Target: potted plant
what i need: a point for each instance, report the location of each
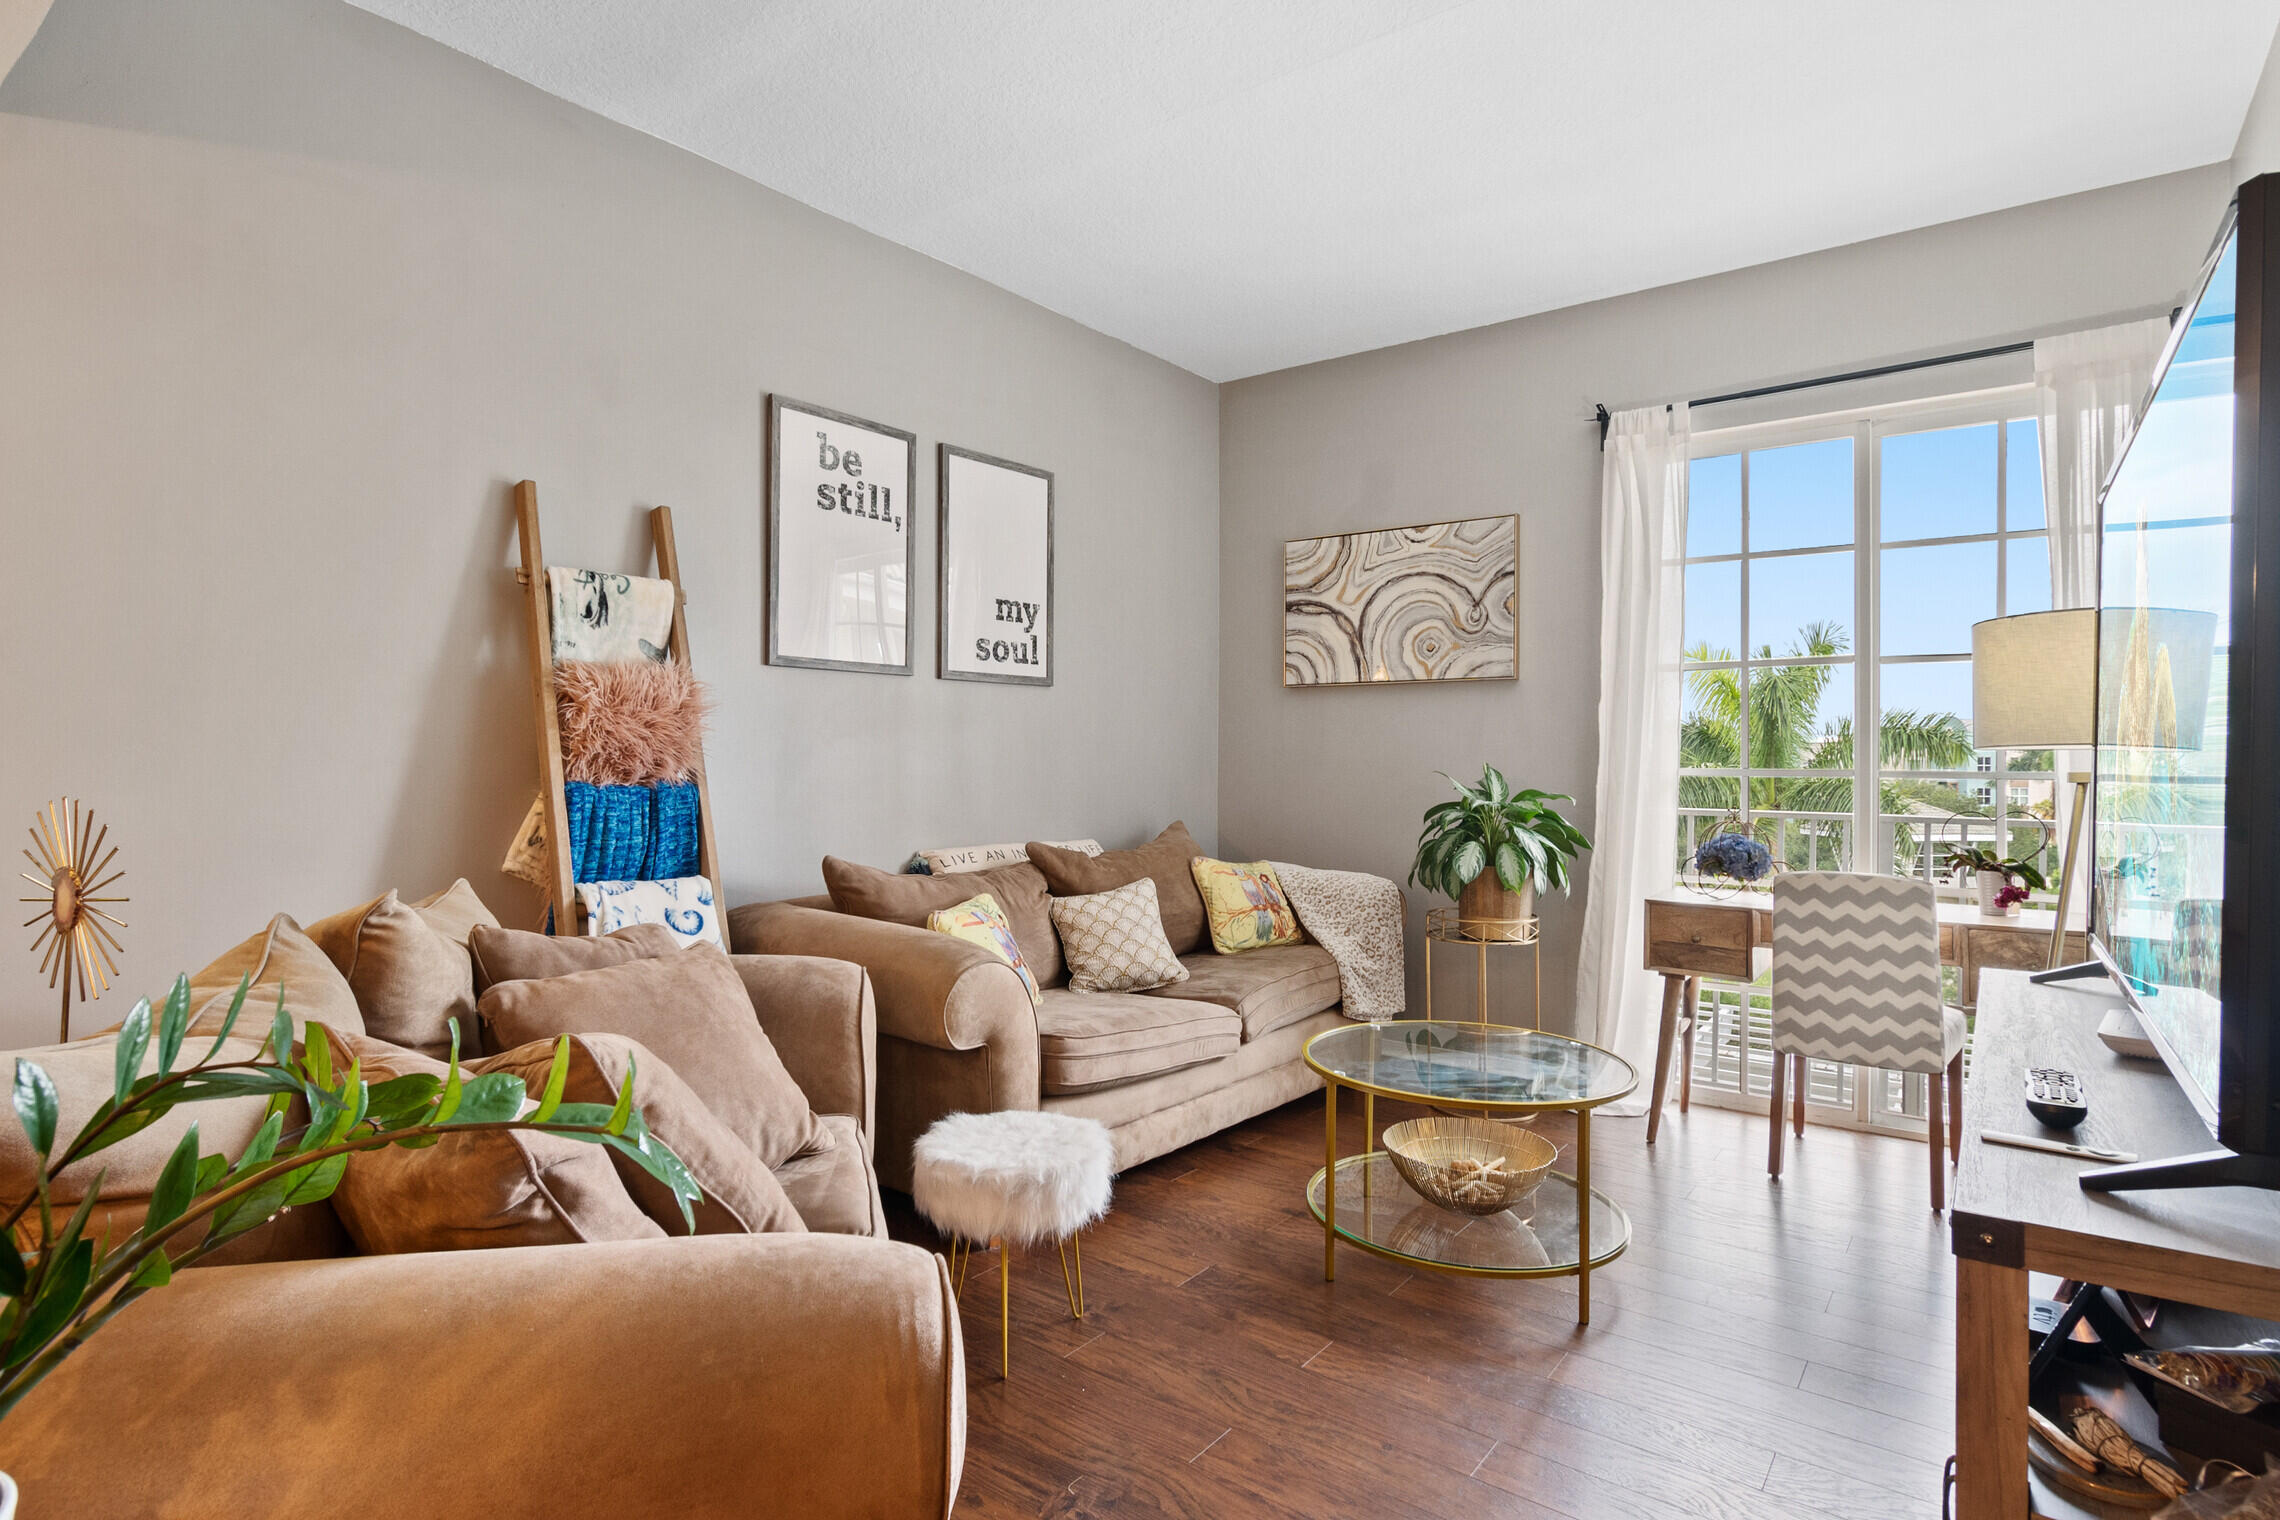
(1494, 849)
(1994, 874)
(69, 1283)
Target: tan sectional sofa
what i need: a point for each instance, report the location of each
(1161, 1069)
(815, 1375)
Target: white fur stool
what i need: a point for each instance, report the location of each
(1013, 1178)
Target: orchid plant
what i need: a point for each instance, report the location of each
(63, 1285)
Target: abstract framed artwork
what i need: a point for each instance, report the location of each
(1430, 602)
(996, 601)
(841, 552)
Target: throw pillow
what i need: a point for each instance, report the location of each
(683, 905)
(280, 957)
(468, 1192)
(953, 860)
(980, 921)
(1163, 860)
(742, 1197)
(629, 722)
(513, 955)
(409, 981)
(868, 892)
(1245, 904)
(692, 1010)
(1115, 940)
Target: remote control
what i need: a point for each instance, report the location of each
(2056, 1097)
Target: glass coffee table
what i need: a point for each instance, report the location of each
(1488, 1069)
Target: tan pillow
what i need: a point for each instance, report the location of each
(409, 980)
(279, 955)
(1163, 860)
(692, 1010)
(513, 955)
(1115, 940)
(475, 1191)
(742, 1197)
(82, 1073)
(868, 892)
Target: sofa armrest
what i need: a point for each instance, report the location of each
(820, 1016)
(932, 989)
(720, 1375)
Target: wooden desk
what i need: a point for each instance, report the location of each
(2021, 1211)
(1691, 936)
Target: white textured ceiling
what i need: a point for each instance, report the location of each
(1241, 185)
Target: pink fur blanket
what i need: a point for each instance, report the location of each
(629, 722)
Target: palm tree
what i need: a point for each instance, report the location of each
(1784, 713)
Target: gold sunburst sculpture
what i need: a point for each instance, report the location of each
(70, 864)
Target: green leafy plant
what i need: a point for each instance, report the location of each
(1965, 857)
(69, 1284)
(1518, 835)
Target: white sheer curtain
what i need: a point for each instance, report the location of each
(2088, 388)
(1642, 613)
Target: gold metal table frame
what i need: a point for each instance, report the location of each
(1450, 927)
(1580, 1180)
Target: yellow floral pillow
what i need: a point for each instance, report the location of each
(980, 921)
(1244, 905)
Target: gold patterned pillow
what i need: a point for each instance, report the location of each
(1244, 905)
(1114, 941)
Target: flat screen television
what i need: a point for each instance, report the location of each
(2185, 866)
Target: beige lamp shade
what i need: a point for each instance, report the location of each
(2034, 680)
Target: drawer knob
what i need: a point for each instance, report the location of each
(1697, 936)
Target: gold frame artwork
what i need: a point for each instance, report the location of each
(1346, 596)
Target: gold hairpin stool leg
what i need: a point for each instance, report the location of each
(1075, 1286)
(1005, 1308)
(961, 1252)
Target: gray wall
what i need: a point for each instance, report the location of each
(2258, 149)
(289, 297)
(1495, 420)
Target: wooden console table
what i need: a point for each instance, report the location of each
(2022, 1211)
(1691, 936)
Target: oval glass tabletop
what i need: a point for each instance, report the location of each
(1379, 1212)
(1483, 1064)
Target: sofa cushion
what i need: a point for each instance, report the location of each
(1267, 988)
(742, 1197)
(280, 956)
(410, 981)
(515, 955)
(475, 1191)
(836, 1191)
(1099, 1039)
(980, 921)
(1244, 906)
(868, 892)
(691, 1008)
(1163, 860)
(1114, 940)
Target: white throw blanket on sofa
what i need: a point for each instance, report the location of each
(1357, 918)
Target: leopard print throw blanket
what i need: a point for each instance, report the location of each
(1357, 918)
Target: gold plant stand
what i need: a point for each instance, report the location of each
(1483, 934)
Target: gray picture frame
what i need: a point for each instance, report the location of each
(944, 540)
(771, 634)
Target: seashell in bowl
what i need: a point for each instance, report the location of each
(1474, 1166)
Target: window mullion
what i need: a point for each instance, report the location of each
(1871, 850)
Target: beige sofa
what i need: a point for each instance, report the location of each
(724, 1375)
(1161, 1069)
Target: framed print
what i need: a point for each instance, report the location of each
(1434, 602)
(996, 604)
(840, 546)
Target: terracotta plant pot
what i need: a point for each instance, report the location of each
(1488, 911)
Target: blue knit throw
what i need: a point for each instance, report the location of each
(632, 833)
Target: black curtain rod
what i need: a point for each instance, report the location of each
(1603, 417)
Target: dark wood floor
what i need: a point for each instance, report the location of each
(1771, 1352)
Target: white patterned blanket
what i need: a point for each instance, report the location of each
(1357, 918)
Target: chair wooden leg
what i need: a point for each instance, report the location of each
(1935, 1112)
(1774, 1116)
(1955, 1108)
(1797, 1099)
(1691, 1013)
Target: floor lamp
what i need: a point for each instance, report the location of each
(2034, 685)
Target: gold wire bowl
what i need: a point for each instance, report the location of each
(1474, 1166)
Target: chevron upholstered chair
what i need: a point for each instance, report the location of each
(1856, 978)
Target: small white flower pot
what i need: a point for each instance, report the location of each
(1990, 883)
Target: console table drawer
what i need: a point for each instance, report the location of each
(1704, 940)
